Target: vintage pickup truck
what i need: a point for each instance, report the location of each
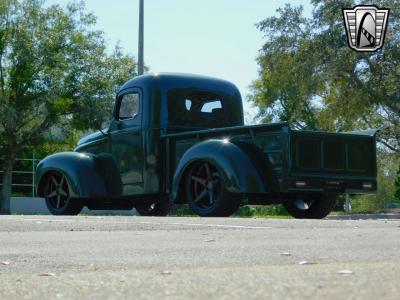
(176, 138)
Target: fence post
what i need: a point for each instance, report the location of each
(347, 205)
(33, 173)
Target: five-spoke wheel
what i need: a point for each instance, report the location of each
(58, 198)
(206, 192)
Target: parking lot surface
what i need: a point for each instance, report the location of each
(47, 257)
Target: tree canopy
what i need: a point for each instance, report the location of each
(310, 77)
(54, 69)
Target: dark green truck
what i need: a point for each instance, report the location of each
(177, 138)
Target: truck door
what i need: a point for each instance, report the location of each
(126, 140)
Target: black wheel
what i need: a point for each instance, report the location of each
(58, 198)
(311, 206)
(157, 209)
(206, 193)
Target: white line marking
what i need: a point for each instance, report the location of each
(152, 223)
(219, 225)
(48, 220)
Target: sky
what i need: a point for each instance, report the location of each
(209, 37)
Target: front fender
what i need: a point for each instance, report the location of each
(89, 175)
(246, 170)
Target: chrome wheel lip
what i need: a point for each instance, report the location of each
(302, 204)
(149, 208)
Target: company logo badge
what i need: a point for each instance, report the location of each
(365, 27)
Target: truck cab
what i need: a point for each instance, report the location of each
(178, 138)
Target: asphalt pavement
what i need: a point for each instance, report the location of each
(47, 257)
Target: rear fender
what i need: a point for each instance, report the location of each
(89, 175)
(246, 170)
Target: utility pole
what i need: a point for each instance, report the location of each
(141, 38)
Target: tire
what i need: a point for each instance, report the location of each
(57, 196)
(206, 192)
(156, 209)
(312, 206)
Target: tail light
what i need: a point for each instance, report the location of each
(367, 185)
(300, 183)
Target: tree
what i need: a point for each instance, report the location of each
(311, 78)
(54, 69)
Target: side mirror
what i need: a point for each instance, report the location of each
(104, 128)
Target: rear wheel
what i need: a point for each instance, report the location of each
(57, 196)
(206, 191)
(311, 206)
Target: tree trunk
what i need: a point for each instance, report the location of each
(5, 196)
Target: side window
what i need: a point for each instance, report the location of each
(129, 107)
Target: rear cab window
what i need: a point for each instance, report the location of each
(202, 109)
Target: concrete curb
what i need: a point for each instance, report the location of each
(374, 216)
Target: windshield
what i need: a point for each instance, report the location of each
(203, 109)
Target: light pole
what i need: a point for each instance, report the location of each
(141, 41)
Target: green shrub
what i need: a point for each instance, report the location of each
(397, 185)
(245, 211)
(261, 211)
(365, 204)
(182, 210)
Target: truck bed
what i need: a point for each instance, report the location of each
(300, 160)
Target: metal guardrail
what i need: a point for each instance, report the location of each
(32, 170)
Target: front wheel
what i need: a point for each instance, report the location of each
(311, 206)
(57, 196)
(206, 191)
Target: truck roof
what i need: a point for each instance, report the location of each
(175, 80)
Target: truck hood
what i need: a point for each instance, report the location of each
(92, 137)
